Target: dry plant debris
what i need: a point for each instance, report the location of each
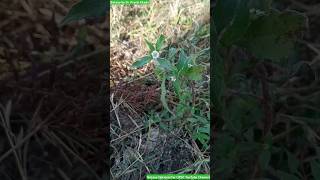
(54, 78)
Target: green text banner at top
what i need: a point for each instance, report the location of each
(129, 2)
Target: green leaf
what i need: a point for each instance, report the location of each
(286, 176)
(194, 72)
(271, 36)
(249, 135)
(150, 45)
(159, 42)
(183, 60)
(203, 138)
(264, 158)
(163, 95)
(260, 4)
(237, 109)
(172, 53)
(293, 21)
(205, 129)
(315, 169)
(293, 162)
(217, 84)
(271, 48)
(164, 64)
(242, 113)
(177, 87)
(238, 26)
(142, 61)
(224, 166)
(214, 35)
(223, 13)
(225, 144)
(86, 9)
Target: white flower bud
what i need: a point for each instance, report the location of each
(155, 55)
(172, 78)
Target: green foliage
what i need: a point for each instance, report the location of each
(264, 122)
(86, 9)
(224, 13)
(178, 73)
(275, 31)
(159, 42)
(150, 45)
(315, 169)
(247, 27)
(238, 26)
(142, 61)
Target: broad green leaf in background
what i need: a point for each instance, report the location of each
(272, 36)
(150, 45)
(260, 4)
(242, 113)
(238, 26)
(264, 158)
(293, 21)
(286, 176)
(214, 35)
(226, 151)
(142, 61)
(315, 169)
(223, 13)
(272, 47)
(217, 84)
(159, 42)
(225, 143)
(194, 72)
(224, 168)
(293, 162)
(86, 9)
(237, 109)
(249, 134)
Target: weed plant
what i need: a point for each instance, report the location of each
(183, 74)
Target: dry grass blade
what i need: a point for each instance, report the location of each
(67, 148)
(12, 139)
(32, 132)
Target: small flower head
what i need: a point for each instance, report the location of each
(190, 65)
(172, 78)
(155, 55)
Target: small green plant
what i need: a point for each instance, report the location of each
(180, 73)
(86, 9)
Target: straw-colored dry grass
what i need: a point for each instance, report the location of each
(130, 25)
(52, 128)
